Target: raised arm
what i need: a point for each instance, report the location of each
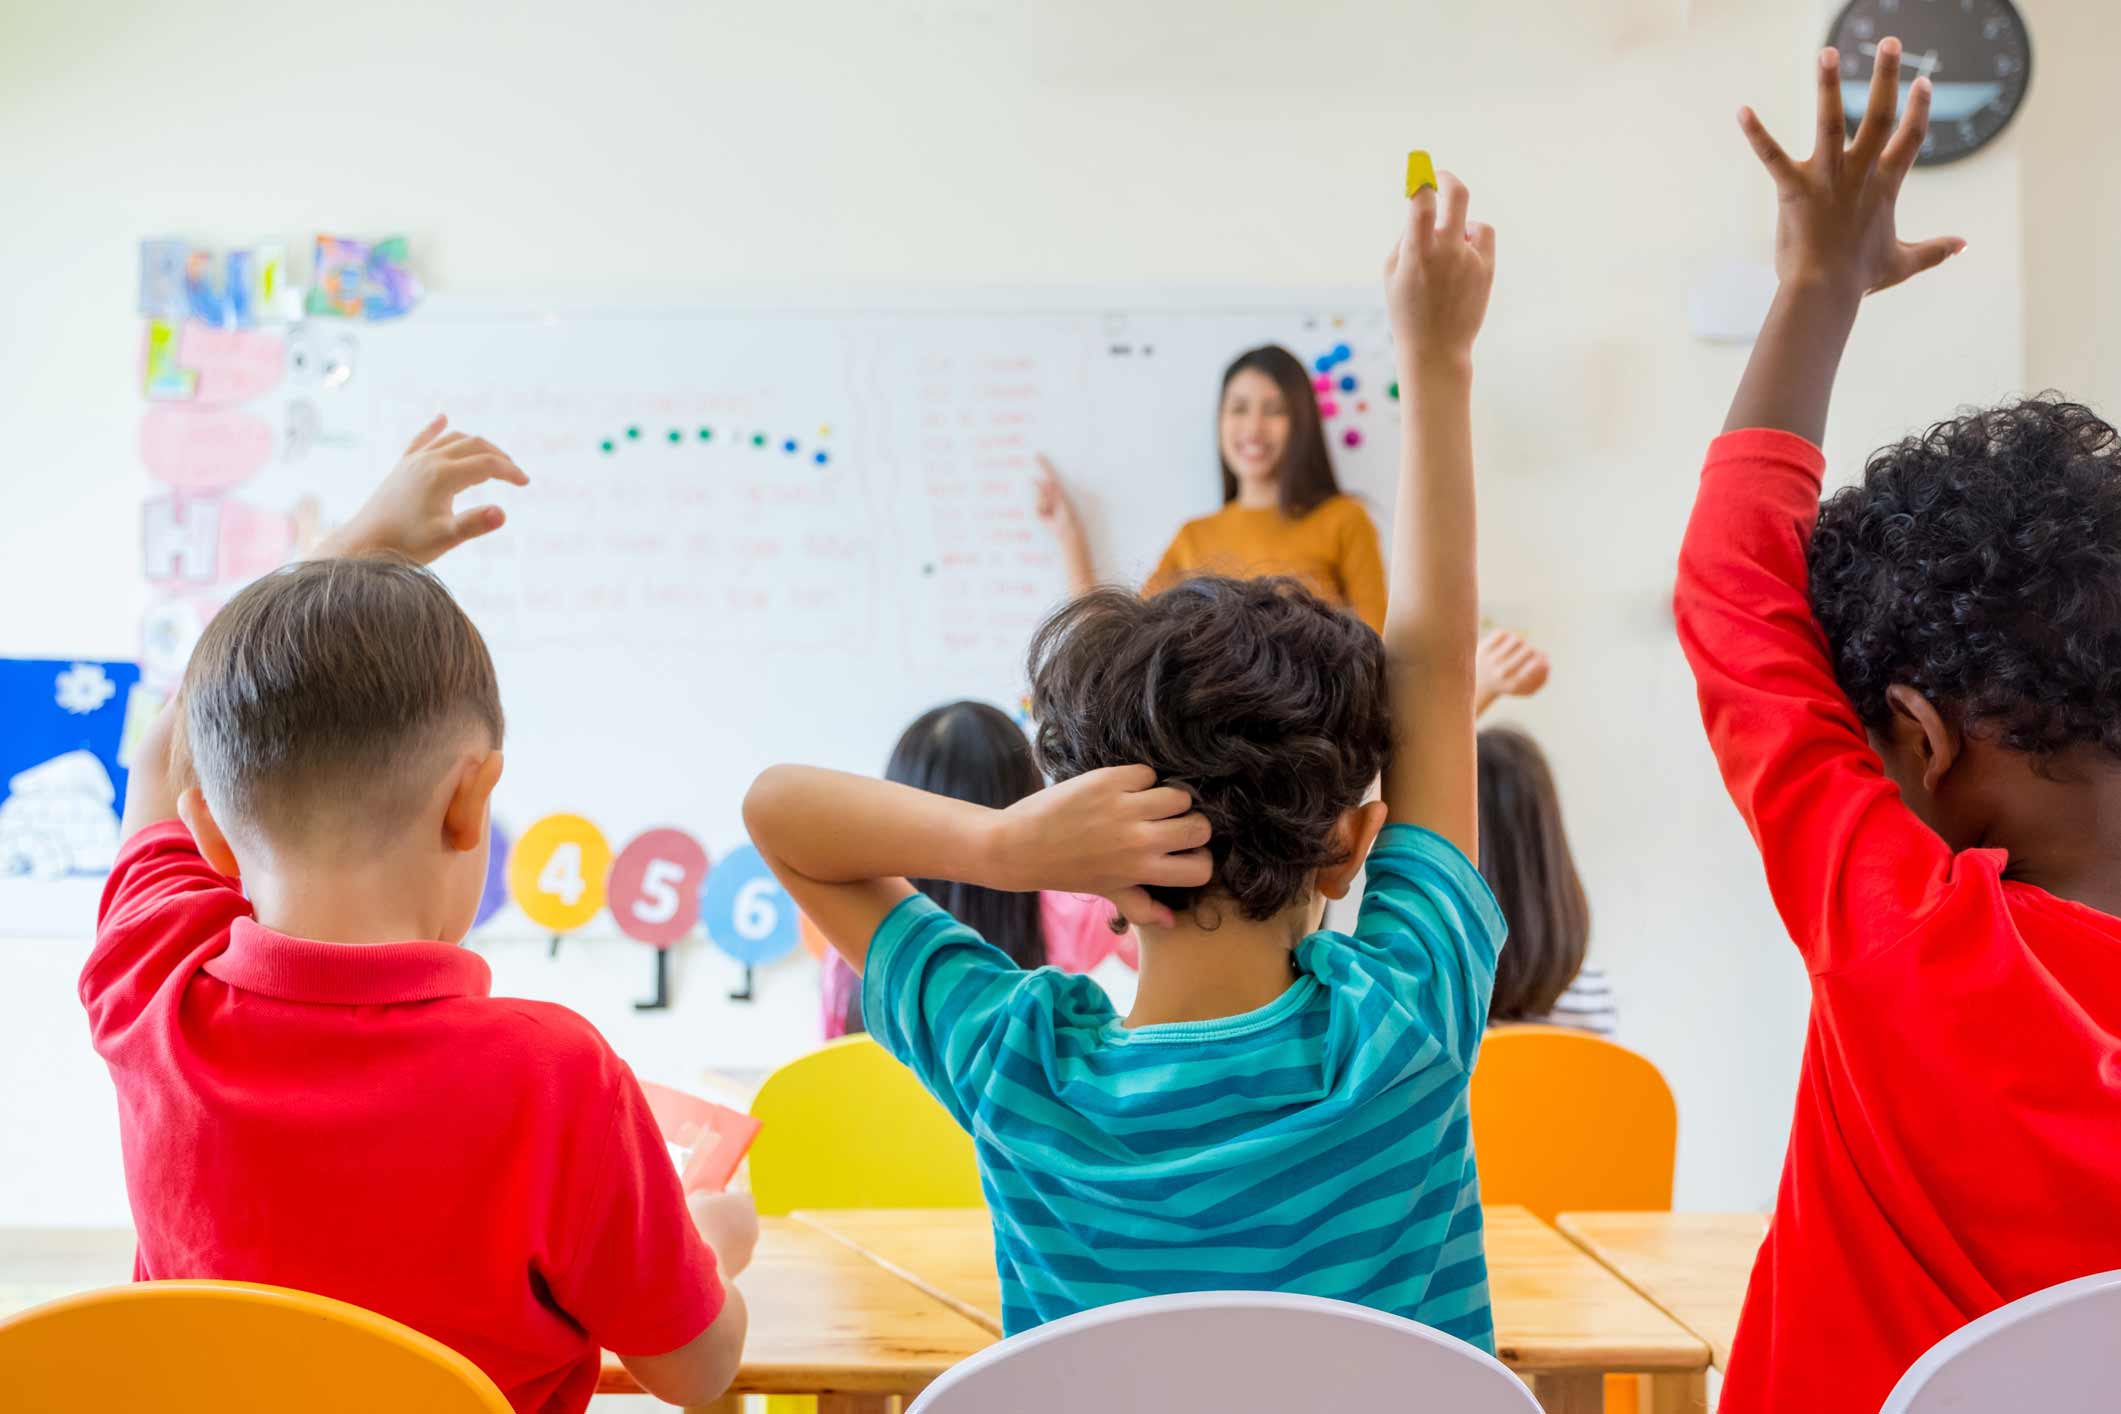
(1057, 509)
(1506, 666)
(1834, 243)
(843, 845)
(1841, 850)
(161, 771)
(1436, 284)
(412, 512)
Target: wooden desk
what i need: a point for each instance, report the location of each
(1561, 1320)
(825, 1321)
(1693, 1266)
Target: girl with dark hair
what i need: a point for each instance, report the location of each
(971, 751)
(1540, 974)
(1283, 511)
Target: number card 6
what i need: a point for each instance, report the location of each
(749, 916)
(556, 872)
(655, 886)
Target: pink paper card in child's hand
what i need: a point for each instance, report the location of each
(715, 1137)
(719, 1149)
(678, 1115)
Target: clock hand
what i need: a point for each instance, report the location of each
(1926, 62)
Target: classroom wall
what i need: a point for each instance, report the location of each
(635, 149)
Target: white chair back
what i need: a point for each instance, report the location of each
(1229, 1352)
(2057, 1351)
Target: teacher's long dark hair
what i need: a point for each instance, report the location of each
(1305, 477)
(971, 751)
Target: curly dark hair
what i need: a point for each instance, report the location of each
(1264, 701)
(1979, 563)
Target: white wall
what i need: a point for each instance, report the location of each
(631, 148)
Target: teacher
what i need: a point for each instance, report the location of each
(1283, 510)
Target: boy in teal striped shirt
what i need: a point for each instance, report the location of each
(1283, 1108)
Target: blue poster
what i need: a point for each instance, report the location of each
(62, 786)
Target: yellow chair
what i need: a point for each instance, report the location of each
(225, 1347)
(849, 1127)
(1569, 1122)
(846, 1126)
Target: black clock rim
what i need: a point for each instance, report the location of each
(2025, 84)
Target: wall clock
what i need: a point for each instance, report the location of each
(1977, 54)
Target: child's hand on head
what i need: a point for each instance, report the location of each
(1507, 666)
(1834, 221)
(1105, 832)
(413, 512)
(729, 1223)
(1438, 276)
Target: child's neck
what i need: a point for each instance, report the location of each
(2064, 836)
(348, 901)
(1191, 973)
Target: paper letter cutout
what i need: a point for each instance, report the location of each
(162, 279)
(160, 376)
(202, 290)
(234, 365)
(180, 539)
(335, 287)
(199, 451)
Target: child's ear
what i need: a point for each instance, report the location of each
(1357, 831)
(464, 821)
(1920, 729)
(206, 832)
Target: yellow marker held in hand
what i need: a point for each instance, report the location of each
(1421, 172)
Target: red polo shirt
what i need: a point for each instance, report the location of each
(365, 1122)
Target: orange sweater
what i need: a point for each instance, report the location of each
(1333, 550)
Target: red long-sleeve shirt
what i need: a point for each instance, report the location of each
(1957, 1138)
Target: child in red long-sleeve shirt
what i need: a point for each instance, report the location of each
(1914, 693)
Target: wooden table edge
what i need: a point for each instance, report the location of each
(1588, 1245)
(817, 1220)
(615, 1378)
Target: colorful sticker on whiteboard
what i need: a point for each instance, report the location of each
(655, 886)
(748, 914)
(557, 871)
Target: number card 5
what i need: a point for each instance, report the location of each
(655, 886)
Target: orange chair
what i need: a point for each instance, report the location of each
(226, 1347)
(1563, 1122)
(1568, 1122)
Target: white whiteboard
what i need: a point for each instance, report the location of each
(774, 530)
(672, 614)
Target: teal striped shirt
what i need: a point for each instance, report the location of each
(1317, 1145)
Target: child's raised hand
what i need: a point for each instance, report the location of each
(1834, 222)
(1105, 832)
(413, 512)
(1438, 276)
(1506, 666)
